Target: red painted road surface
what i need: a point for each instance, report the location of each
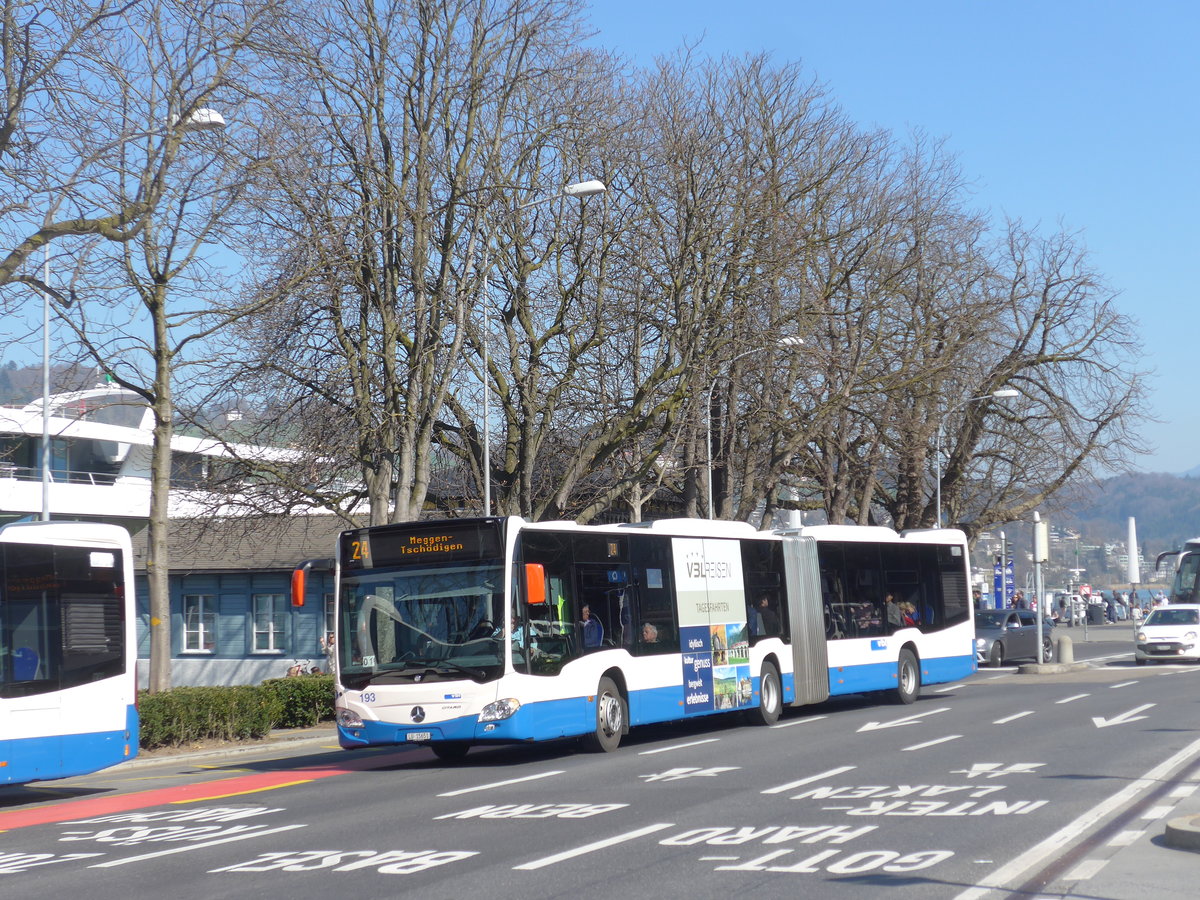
(189, 793)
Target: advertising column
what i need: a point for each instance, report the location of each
(713, 637)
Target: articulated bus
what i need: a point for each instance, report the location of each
(460, 632)
(68, 650)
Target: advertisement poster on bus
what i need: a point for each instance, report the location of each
(713, 637)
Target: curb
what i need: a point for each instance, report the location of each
(1183, 833)
(277, 739)
(1050, 668)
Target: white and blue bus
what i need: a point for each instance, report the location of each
(68, 650)
(459, 632)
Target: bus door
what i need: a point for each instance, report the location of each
(602, 617)
(806, 616)
(30, 702)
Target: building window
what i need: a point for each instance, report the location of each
(270, 611)
(199, 623)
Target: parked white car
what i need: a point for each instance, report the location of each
(1169, 634)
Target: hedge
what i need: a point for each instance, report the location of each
(244, 712)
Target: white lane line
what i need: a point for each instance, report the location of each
(1184, 790)
(791, 785)
(495, 784)
(1113, 687)
(592, 847)
(678, 747)
(1085, 870)
(1125, 838)
(1057, 842)
(798, 722)
(950, 687)
(1111, 656)
(1070, 699)
(245, 836)
(941, 740)
(1157, 812)
(1013, 718)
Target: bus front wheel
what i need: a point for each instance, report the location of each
(450, 751)
(770, 697)
(908, 677)
(610, 719)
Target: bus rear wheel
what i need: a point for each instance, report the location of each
(908, 677)
(770, 697)
(610, 719)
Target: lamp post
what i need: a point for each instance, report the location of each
(994, 395)
(198, 120)
(782, 342)
(578, 189)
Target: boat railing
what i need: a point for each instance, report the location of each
(57, 476)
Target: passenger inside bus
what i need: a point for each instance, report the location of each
(591, 629)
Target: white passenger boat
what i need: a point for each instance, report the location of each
(100, 445)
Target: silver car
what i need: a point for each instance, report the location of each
(1005, 634)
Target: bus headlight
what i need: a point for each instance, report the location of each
(501, 709)
(348, 719)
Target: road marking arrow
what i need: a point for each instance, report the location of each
(1123, 718)
(688, 772)
(907, 720)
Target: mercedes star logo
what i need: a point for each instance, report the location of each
(418, 714)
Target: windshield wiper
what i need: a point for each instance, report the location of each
(473, 673)
(416, 665)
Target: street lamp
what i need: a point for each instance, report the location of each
(994, 395)
(578, 189)
(782, 342)
(198, 120)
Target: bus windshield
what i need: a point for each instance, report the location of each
(413, 624)
(1184, 589)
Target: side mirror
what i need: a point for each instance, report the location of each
(535, 584)
(299, 577)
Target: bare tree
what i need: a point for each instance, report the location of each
(397, 110)
(83, 155)
(170, 57)
(1056, 337)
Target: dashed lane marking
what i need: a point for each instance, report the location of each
(593, 847)
(678, 747)
(505, 783)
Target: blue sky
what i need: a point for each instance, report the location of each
(1072, 114)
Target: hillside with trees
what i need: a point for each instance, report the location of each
(1167, 509)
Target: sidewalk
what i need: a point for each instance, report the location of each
(320, 737)
(1155, 856)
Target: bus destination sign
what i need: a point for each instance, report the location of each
(420, 544)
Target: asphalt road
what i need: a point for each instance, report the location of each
(1002, 781)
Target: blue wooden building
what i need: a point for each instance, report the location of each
(232, 621)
